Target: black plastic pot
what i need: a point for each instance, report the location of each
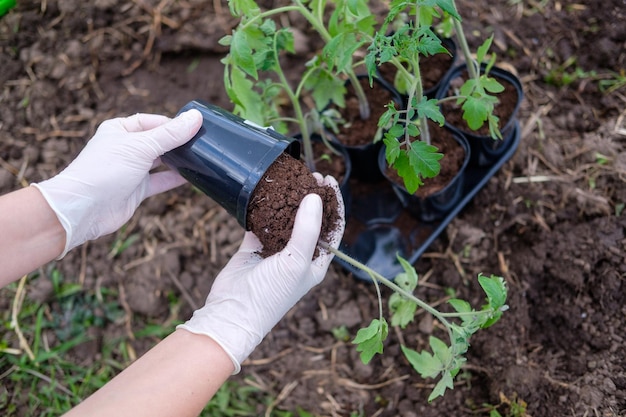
(365, 157)
(485, 150)
(435, 206)
(228, 156)
(376, 233)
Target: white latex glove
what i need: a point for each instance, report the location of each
(101, 189)
(250, 295)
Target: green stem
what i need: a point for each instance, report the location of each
(472, 66)
(390, 284)
(299, 115)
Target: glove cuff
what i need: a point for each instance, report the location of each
(234, 360)
(67, 225)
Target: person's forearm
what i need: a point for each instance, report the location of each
(175, 378)
(31, 234)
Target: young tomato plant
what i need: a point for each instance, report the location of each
(446, 359)
(256, 47)
(408, 138)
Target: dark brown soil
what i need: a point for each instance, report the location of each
(357, 130)
(275, 201)
(508, 101)
(551, 221)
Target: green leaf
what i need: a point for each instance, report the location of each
(395, 131)
(461, 306)
(338, 52)
(412, 181)
(407, 280)
(495, 288)
(241, 92)
(445, 382)
(491, 85)
(424, 159)
(482, 50)
(475, 112)
(369, 340)
(449, 7)
(325, 88)
(392, 149)
(430, 109)
(403, 308)
(243, 7)
(426, 364)
(241, 53)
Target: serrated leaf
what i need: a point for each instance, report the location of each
(241, 92)
(411, 180)
(424, 159)
(495, 288)
(407, 280)
(430, 109)
(339, 51)
(239, 7)
(325, 88)
(449, 7)
(402, 308)
(392, 149)
(427, 365)
(369, 340)
(475, 112)
(386, 117)
(412, 130)
(491, 85)
(241, 53)
(395, 130)
(444, 383)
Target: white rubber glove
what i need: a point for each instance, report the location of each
(251, 294)
(101, 189)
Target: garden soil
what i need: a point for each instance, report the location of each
(551, 221)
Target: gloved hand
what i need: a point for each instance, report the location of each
(101, 189)
(250, 295)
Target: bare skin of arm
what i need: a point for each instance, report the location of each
(31, 234)
(175, 378)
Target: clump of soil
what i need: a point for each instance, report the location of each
(275, 201)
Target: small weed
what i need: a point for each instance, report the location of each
(192, 67)
(341, 333)
(567, 73)
(612, 82)
(514, 407)
(122, 242)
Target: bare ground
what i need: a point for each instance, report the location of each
(551, 221)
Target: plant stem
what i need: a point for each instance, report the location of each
(472, 67)
(299, 115)
(390, 284)
(417, 87)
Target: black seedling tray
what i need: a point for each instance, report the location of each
(378, 228)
